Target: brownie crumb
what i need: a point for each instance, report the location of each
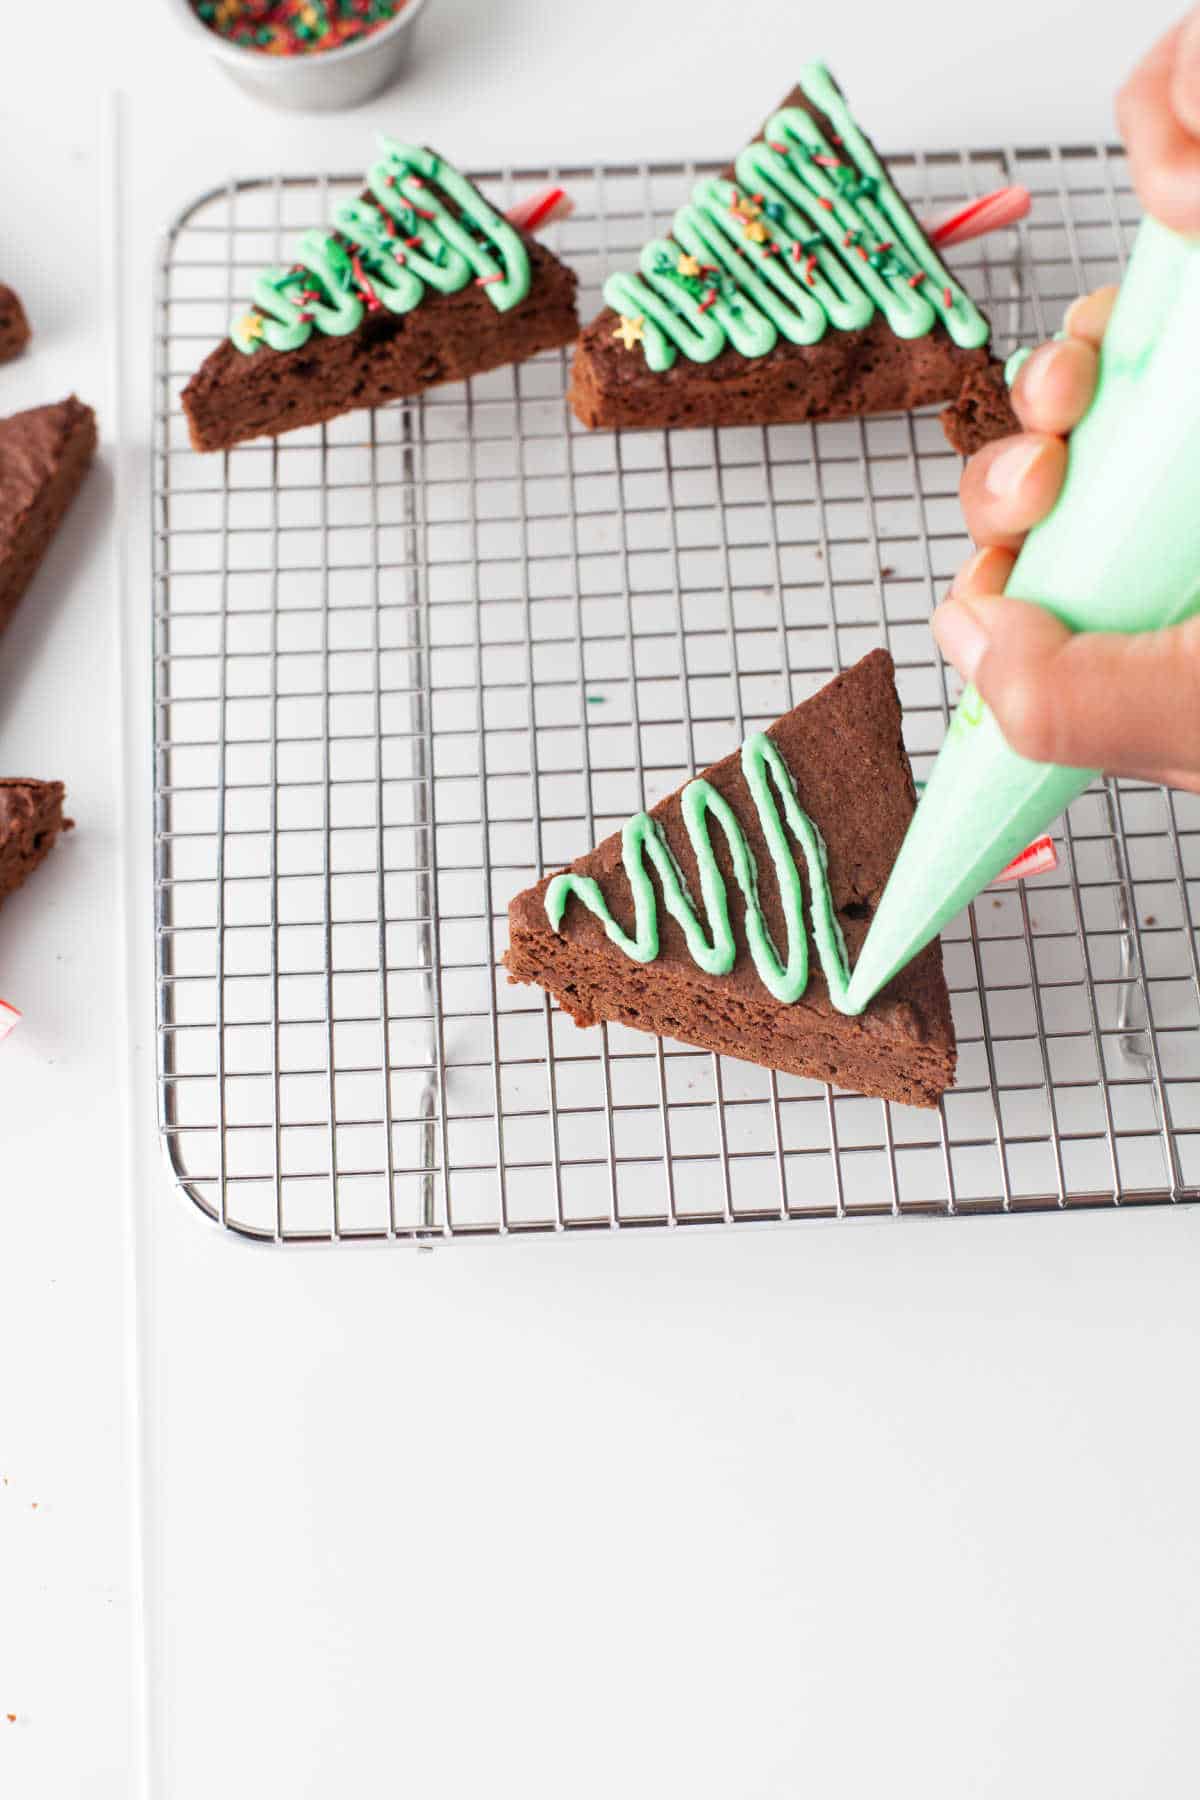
(982, 410)
(31, 821)
(14, 326)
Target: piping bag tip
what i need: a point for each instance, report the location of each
(983, 803)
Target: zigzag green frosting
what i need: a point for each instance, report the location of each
(772, 788)
(387, 252)
(812, 234)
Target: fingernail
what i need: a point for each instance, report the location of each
(961, 638)
(1074, 312)
(1033, 370)
(1010, 469)
(1185, 78)
(969, 572)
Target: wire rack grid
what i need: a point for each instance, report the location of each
(406, 661)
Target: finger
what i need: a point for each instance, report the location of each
(1088, 316)
(1011, 484)
(1055, 385)
(1186, 779)
(1185, 76)
(1164, 152)
(1092, 700)
(983, 575)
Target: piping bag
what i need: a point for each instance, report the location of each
(1120, 551)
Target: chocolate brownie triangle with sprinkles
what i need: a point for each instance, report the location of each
(796, 285)
(729, 915)
(418, 281)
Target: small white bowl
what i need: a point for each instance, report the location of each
(320, 80)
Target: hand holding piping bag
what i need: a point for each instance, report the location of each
(1129, 704)
(1104, 531)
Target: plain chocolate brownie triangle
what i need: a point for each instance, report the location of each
(44, 455)
(842, 756)
(418, 281)
(797, 285)
(31, 818)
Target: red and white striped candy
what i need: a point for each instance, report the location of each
(10, 1018)
(989, 213)
(1038, 858)
(539, 209)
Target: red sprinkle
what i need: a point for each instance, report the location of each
(797, 252)
(809, 266)
(828, 162)
(487, 280)
(411, 241)
(917, 279)
(947, 297)
(886, 245)
(827, 204)
(780, 149)
(710, 299)
(368, 292)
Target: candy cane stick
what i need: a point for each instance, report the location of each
(539, 209)
(988, 213)
(1038, 858)
(10, 1018)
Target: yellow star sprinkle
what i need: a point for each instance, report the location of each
(745, 208)
(688, 265)
(251, 325)
(756, 231)
(631, 331)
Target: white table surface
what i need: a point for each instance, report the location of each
(832, 1511)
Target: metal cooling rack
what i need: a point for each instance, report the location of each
(404, 662)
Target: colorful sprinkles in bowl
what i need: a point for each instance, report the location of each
(295, 27)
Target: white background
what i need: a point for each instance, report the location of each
(828, 1511)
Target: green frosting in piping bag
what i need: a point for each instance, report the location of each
(386, 251)
(812, 234)
(771, 787)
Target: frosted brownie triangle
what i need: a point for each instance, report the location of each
(653, 928)
(797, 285)
(418, 281)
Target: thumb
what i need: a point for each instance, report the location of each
(1092, 700)
(1185, 76)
